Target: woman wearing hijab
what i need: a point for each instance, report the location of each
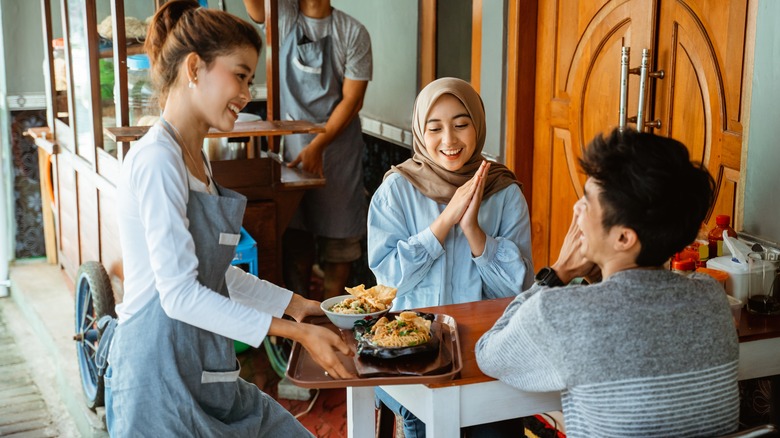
(446, 226)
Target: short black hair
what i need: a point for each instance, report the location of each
(650, 185)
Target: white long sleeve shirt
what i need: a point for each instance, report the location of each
(158, 252)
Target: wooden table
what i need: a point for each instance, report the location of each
(474, 398)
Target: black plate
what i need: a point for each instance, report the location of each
(367, 349)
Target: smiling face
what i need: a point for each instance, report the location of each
(223, 87)
(595, 240)
(450, 137)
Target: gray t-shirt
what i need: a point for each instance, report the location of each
(351, 42)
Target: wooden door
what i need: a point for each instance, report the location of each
(578, 77)
(577, 96)
(701, 47)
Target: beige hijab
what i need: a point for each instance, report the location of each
(428, 177)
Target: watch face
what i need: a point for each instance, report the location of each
(547, 277)
(542, 274)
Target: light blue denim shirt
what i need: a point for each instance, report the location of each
(404, 253)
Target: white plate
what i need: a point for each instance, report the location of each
(247, 117)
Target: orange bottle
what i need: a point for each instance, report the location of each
(715, 237)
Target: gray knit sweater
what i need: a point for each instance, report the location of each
(644, 353)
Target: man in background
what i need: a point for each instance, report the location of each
(325, 63)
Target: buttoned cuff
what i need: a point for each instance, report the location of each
(489, 253)
(431, 244)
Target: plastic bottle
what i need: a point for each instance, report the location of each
(140, 93)
(715, 237)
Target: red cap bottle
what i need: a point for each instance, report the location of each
(715, 237)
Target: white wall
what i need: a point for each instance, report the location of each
(6, 207)
(762, 184)
(393, 26)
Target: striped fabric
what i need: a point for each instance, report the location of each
(644, 353)
(656, 407)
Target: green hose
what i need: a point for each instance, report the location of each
(276, 357)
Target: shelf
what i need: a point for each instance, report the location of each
(260, 128)
(132, 49)
(41, 132)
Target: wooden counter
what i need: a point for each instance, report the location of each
(241, 129)
(273, 192)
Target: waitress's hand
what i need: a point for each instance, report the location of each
(300, 307)
(310, 159)
(322, 344)
(571, 262)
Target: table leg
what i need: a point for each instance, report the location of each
(438, 408)
(444, 411)
(360, 411)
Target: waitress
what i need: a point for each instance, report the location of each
(173, 366)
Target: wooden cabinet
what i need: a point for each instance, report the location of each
(88, 135)
(700, 46)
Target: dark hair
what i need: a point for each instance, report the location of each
(181, 27)
(650, 185)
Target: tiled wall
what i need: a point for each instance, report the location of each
(378, 158)
(27, 195)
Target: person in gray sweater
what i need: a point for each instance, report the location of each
(644, 352)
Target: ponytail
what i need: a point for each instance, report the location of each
(181, 27)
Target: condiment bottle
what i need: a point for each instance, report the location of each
(720, 276)
(715, 237)
(683, 266)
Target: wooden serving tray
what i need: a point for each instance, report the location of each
(304, 372)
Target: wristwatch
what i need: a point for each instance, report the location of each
(547, 277)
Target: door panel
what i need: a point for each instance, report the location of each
(578, 92)
(700, 100)
(67, 204)
(686, 120)
(564, 190)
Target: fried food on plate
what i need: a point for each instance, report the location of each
(374, 299)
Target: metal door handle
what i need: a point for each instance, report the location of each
(622, 115)
(644, 74)
(640, 112)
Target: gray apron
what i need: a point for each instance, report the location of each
(172, 379)
(313, 90)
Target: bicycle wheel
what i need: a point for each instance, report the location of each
(94, 299)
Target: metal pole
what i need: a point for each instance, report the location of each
(640, 114)
(622, 116)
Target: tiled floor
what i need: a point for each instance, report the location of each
(22, 406)
(328, 415)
